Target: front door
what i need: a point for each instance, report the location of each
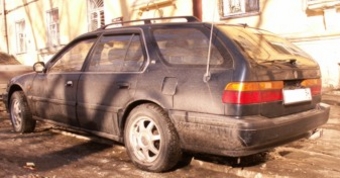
(54, 92)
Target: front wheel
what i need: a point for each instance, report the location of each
(151, 139)
(20, 113)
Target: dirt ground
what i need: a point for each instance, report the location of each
(51, 152)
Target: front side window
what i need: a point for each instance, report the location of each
(72, 59)
(232, 8)
(188, 46)
(118, 53)
(53, 27)
(20, 36)
(96, 14)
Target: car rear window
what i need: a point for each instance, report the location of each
(263, 46)
(188, 46)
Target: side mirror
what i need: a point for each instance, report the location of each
(39, 67)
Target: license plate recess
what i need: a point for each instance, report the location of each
(292, 96)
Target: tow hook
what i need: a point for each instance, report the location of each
(315, 134)
(318, 106)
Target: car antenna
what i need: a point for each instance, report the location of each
(207, 74)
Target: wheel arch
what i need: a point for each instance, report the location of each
(156, 148)
(123, 114)
(11, 90)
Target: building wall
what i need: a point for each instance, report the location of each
(326, 52)
(73, 21)
(33, 12)
(140, 9)
(315, 29)
(3, 46)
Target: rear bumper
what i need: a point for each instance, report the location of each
(231, 136)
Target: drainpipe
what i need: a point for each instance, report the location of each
(5, 23)
(197, 8)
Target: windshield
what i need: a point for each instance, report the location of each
(263, 46)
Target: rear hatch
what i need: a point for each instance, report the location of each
(283, 78)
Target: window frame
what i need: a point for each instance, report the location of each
(127, 32)
(250, 11)
(20, 33)
(95, 9)
(53, 29)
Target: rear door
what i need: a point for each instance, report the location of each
(110, 80)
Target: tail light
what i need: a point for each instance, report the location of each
(252, 92)
(313, 84)
(261, 92)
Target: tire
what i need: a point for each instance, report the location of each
(20, 113)
(151, 140)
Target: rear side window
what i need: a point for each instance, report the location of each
(187, 46)
(118, 53)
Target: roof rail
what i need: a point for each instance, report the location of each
(149, 21)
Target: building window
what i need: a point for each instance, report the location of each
(53, 27)
(20, 36)
(96, 14)
(235, 8)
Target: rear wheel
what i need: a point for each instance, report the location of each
(151, 140)
(20, 113)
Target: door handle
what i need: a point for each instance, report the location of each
(123, 85)
(69, 84)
